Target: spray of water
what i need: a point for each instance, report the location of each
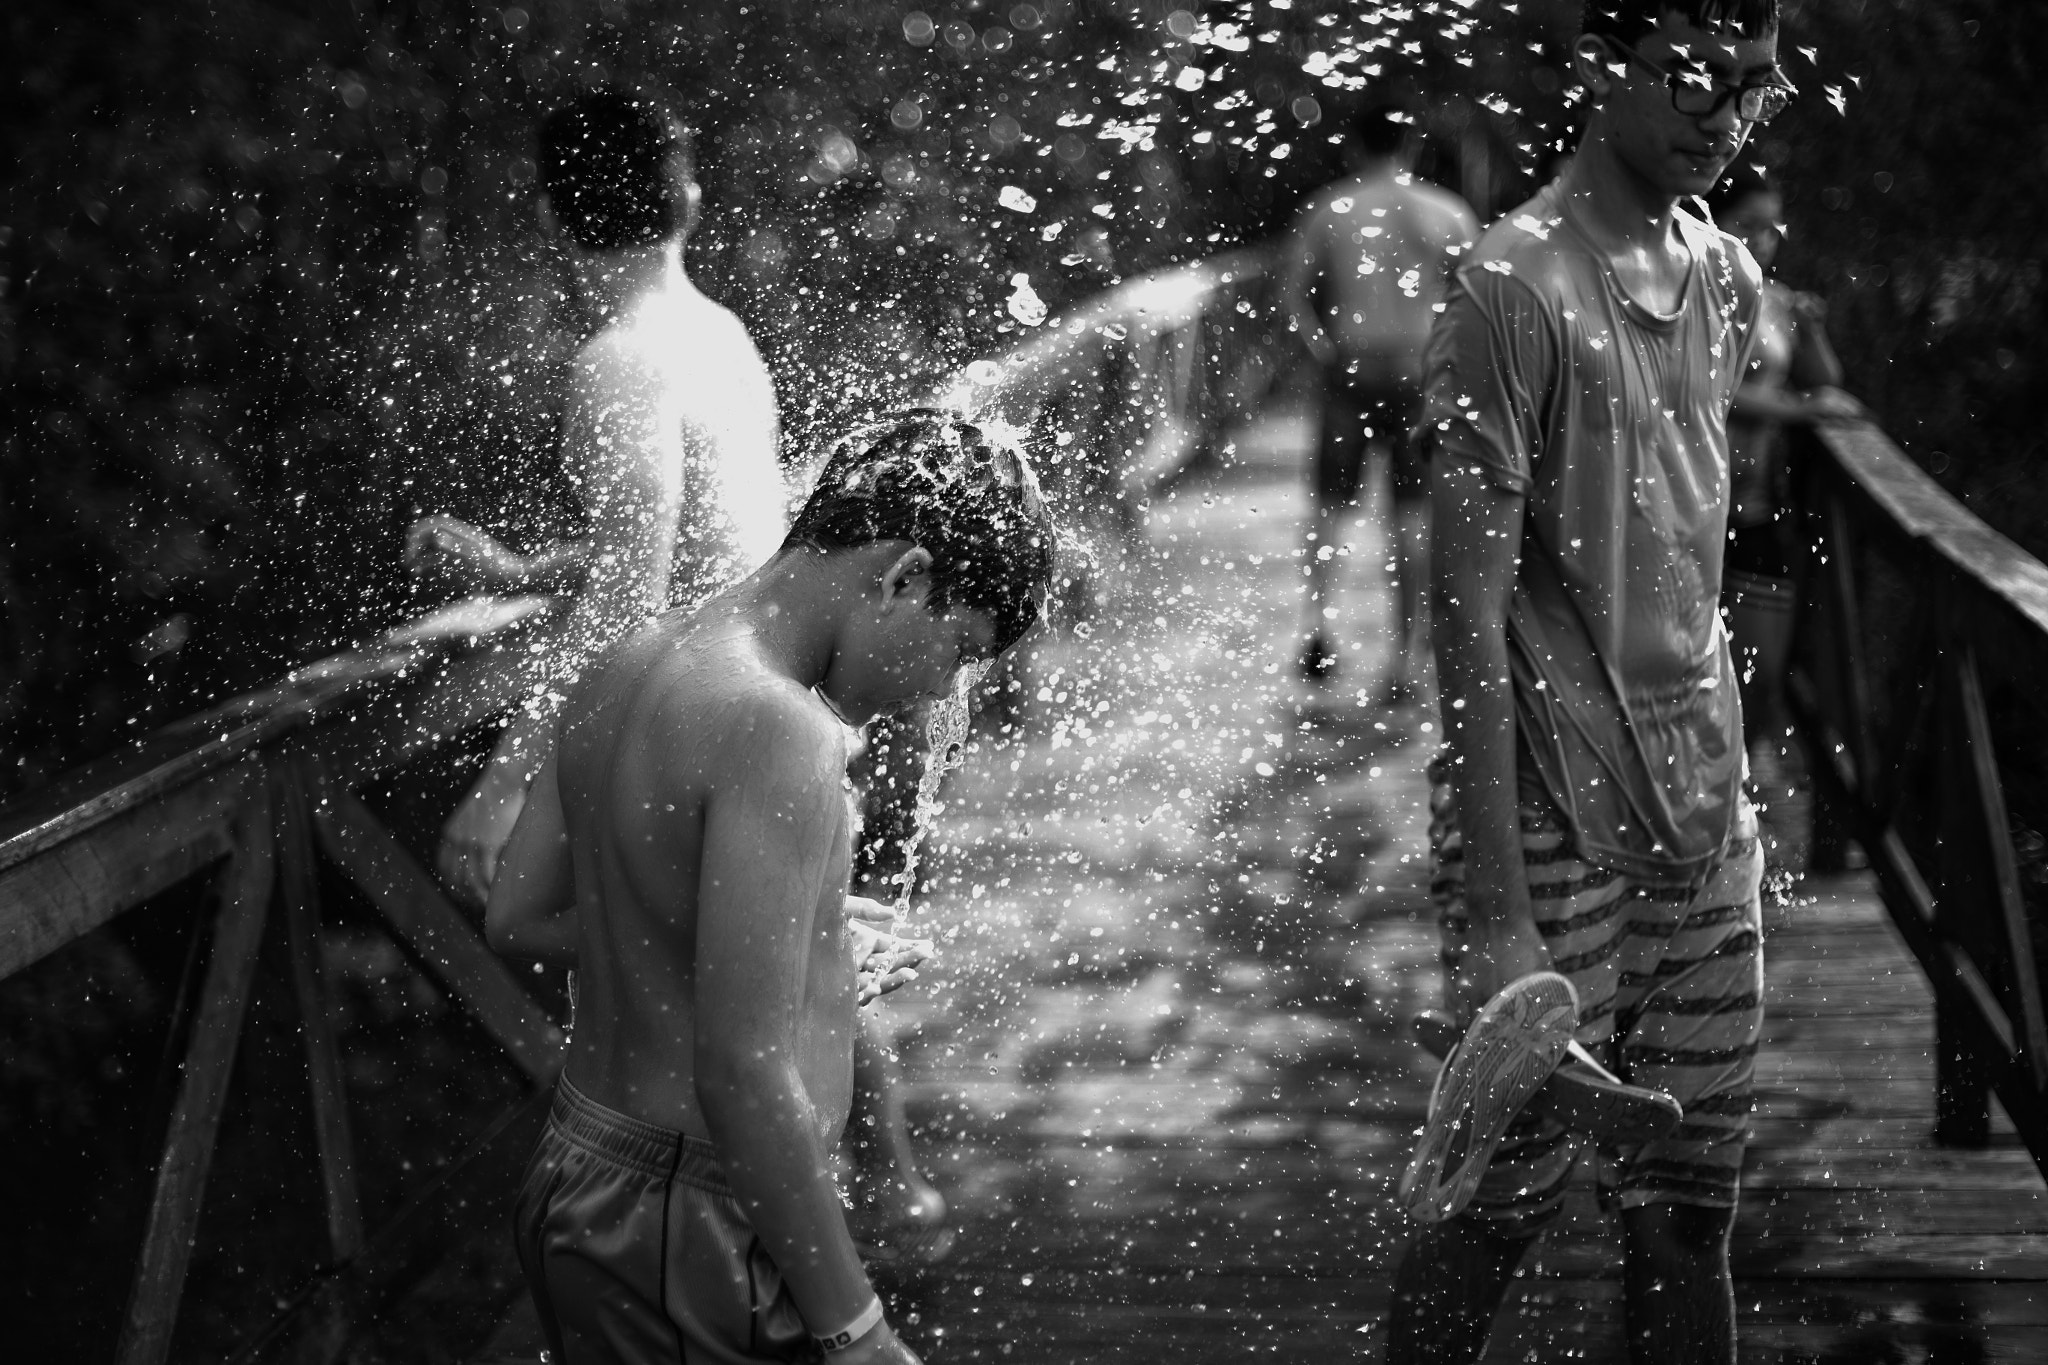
(946, 732)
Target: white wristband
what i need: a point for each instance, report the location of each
(870, 1317)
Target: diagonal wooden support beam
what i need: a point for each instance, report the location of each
(300, 900)
(2010, 910)
(202, 1092)
(436, 931)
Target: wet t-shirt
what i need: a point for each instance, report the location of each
(1612, 420)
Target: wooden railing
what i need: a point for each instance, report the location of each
(1920, 674)
(245, 794)
(1129, 389)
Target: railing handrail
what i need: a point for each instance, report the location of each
(1915, 776)
(1922, 510)
(195, 745)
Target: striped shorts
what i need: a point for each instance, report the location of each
(1670, 983)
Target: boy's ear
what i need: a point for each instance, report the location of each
(908, 577)
(1595, 65)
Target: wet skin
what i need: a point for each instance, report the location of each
(696, 817)
(1374, 253)
(1643, 155)
(670, 434)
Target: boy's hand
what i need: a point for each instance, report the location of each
(881, 960)
(879, 1347)
(1826, 403)
(475, 837)
(1496, 953)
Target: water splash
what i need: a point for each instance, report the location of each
(945, 731)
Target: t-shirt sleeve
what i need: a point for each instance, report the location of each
(1489, 365)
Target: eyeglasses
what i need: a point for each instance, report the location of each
(1697, 95)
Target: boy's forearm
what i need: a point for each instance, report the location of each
(1479, 728)
(763, 1125)
(1769, 403)
(563, 566)
(1475, 559)
(550, 939)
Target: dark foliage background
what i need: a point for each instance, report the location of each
(272, 283)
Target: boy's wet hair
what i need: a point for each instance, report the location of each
(961, 491)
(617, 165)
(1632, 20)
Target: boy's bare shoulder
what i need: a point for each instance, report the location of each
(715, 697)
(614, 363)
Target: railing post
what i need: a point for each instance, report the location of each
(300, 895)
(1962, 1084)
(245, 886)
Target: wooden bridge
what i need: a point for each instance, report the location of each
(1161, 1071)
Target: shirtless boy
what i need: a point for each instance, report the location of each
(670, 433)
(1590, 818)
(697, 818)
(1361, 288)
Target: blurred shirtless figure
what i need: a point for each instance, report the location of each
(1362, 288)
(670, 435)
(1792, 381)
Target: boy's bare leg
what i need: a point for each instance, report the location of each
(1329, 526)
(1447, 1290)
(1410, 534)
(1681, 1297)
(1761, 634)
(1334, 497)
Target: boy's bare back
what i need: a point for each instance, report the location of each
(1382, 242)
(704, 798)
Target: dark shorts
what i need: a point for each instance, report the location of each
(1358, 412)
(636, 1250)
(1760, 551)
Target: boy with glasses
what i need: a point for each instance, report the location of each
(1588, 815)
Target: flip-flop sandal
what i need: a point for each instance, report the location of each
(1513, 1045)
(906, 1246)
(1581, 1094)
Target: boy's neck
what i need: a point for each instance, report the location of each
(1610, 201)
(617, 281)
(796, 604)
(1379, 167)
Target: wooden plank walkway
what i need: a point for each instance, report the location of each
(1162, 1071)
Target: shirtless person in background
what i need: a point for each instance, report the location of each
(698, 820)
(670, 434)
(671, 438)
(1362, 288)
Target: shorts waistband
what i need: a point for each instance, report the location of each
(634, 1143)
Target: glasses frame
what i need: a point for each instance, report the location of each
(1749, 99)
